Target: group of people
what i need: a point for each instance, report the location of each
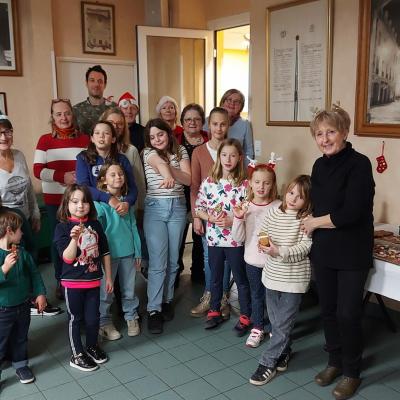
(120, 195)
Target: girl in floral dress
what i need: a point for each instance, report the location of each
(219, 193)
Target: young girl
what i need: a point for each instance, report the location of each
(203, 159)
(103, 148)
(224, 189)
(286, 274)
(123, 239)
(83, 246)
(167, 169)
(261, 197)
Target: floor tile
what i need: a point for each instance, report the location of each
(34, 396)
(231, 356)
(98, 382)
(278, 386)
(225, 379)
(147, 386)
(12, 389)
(168, 395)
(247, 391)
(212, 344)
(381, 392)
(130, 371)
(297, 394)
(142, 348)
(186, 352)
(116, 393)
(177, 375)
(246, 368)
(159, 361)
(196, 390)
(51, 374)
(171, 340)
(205, 365)
(68, 391)
(392, 380)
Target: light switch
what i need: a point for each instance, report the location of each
(257, 148)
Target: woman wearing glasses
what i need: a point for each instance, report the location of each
(192, 120)
(54, 165)
(233, 101)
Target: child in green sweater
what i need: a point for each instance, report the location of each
(19, 280)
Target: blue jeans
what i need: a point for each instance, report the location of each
(207, 270)
(257, 293)
(83, 307)
(125, 267)
(282, 311)
(164, 223)
(14, 326)
(234, 256)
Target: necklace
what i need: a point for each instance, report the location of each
(193, 140)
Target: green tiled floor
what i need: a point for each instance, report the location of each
(189, 363)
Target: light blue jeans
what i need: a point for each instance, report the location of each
(282, 311)
(125, 266)
(164, 223)
(207, 270)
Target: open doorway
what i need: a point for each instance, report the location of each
(232, 62)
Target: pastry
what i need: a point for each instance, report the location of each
(263, 239)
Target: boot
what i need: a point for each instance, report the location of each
(203, 307)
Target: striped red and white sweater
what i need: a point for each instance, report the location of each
(53, 158)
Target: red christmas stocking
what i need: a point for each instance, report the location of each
(382, 164)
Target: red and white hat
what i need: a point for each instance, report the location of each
(127, 99)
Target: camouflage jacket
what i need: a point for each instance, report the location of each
(87, 114)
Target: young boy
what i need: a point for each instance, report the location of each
(19, 280)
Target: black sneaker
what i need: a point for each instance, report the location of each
(242, 326)
(282, 364)
(97, 354)
(167, 311)
(155, 322)
(263, 375)
(47, 312)
(25, 374)
(83, 363)
(214, 318)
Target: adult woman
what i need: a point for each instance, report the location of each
(167, 109)
(203, 159)
(129, 106)
(233, 101)
(54, 165)
(192, 119)
(342, 229)
(117, 118)
(167, 169)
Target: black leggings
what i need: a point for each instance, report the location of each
(341, 299)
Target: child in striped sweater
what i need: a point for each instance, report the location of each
(286, 274)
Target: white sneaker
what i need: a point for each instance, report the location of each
(255, 338)
(133, 327)
(109, 332)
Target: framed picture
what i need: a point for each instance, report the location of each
(3, 103)
(98, 28)
(10, 48)
(299, 60)
(378, 71)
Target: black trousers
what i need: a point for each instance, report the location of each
(197, 268)
(341, 300)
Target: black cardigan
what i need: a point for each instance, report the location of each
(343, 186)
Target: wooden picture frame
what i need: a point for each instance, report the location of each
(98, 28)
(299, 61)
(10, 44)
(378, 77)
(3, 103)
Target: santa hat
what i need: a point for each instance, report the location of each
(166, 99)
(128, 96)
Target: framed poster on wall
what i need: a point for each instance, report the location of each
(3, 103)
(98, 28)
(378, 70)
(299, 60)
(10, 48)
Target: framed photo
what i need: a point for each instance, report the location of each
(378, 71)
(98, 28)
(10, 48)
(299, 60)
(3, 103)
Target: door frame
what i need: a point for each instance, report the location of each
(143, 89)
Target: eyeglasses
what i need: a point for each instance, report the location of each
(234, 102)
(126, 102)
(191, 120)
(7, 133)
